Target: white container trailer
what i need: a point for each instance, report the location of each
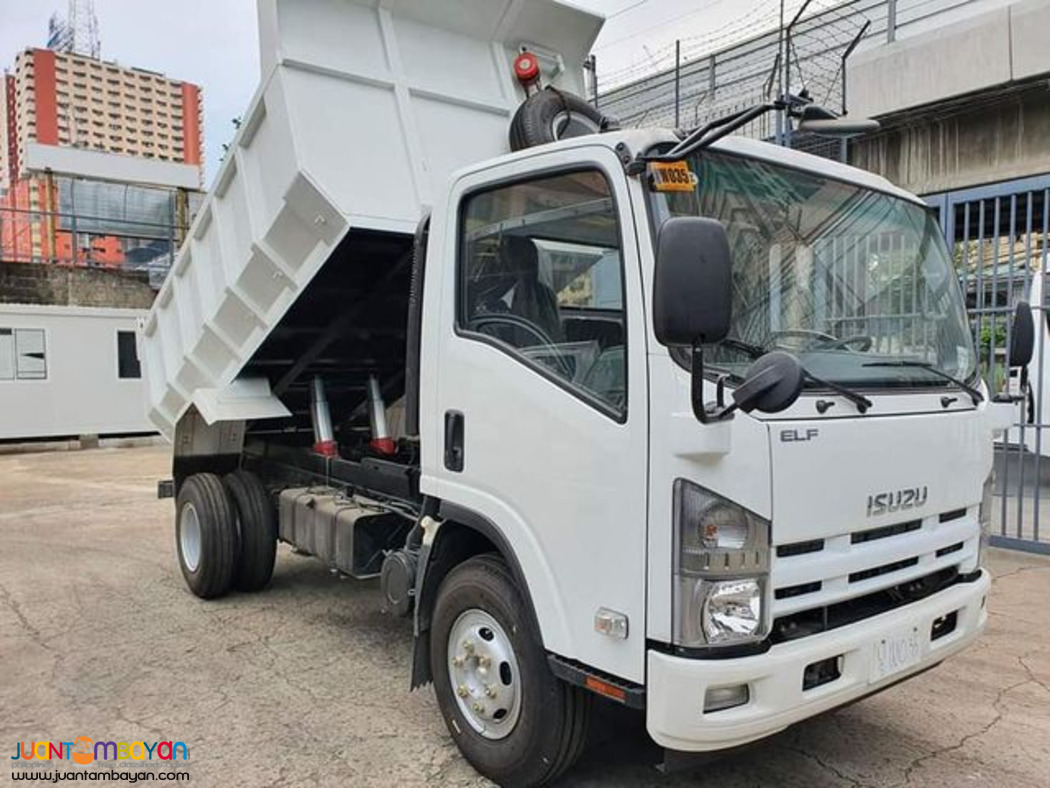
(634, 414)
(68, 371)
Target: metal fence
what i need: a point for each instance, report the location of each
(810, 55)
(81, 222)
(999, 238)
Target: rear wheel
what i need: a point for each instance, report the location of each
(256, 528)
(511, 718)
(205, 535)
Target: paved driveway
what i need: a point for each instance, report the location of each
(306, 683)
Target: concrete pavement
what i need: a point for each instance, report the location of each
(306, 683)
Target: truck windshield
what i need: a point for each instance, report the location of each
(841, 275)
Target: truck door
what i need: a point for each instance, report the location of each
(540, 423)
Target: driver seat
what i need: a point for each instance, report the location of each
(531, 299)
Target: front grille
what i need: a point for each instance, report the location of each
(799, 590)
(841, 614)
(952, 548)
(885, 569)
(800, 548)
(819, 584)
(885, 532)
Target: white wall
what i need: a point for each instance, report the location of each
(111, 166)
(81, 393)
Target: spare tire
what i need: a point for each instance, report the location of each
(550, 115)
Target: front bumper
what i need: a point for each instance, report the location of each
(676, 686)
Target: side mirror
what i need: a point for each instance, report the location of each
(692, 295)
(772, 384)
(1022, 336)
(817, 120)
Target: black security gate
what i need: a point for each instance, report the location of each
(998, 238)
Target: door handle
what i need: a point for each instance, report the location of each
(454, 441)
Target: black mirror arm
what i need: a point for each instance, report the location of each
(707, 135)
(716, 411)
(1004, 397)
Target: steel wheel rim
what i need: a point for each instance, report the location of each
(190, 537)
(483, 671)
(577, 123)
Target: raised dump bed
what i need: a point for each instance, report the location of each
(362, 114)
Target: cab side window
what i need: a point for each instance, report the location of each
(541, 276)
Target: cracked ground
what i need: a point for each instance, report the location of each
(306, 683)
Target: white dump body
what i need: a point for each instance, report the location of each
(364, 110)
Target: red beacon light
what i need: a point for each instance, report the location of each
(527, 69)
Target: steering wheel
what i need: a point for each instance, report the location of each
(516, 321)
(804, 333)
(752, 351)
(863, 341)
(826, 341)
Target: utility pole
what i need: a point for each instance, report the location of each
(780, 75)
(594, 77)
(677, 82)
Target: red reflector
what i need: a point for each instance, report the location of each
(604, 688)
(384, 445)
(326, 448)
(526, 68)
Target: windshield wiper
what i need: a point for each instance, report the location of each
(757, 351)
(862, 402)
(975, 395)
(754, 351)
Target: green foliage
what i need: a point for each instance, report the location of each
(992, 337)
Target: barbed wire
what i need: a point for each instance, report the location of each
(696, 45)
(763, 18)
(743, 71)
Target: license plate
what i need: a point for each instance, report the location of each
(895, 654)
(672, 176)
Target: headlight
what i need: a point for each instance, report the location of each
(721, 570)
(985, 516)
(732, 611)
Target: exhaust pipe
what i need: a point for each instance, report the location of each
(324, 435)
(381, 440)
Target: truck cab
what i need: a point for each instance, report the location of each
(745, 573)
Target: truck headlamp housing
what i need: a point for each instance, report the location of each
(721, 570)
(985, 516)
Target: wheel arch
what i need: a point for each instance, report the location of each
(463, 533)
(199, 447)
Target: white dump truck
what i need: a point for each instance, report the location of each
(688, 422)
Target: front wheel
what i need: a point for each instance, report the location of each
(511, 718)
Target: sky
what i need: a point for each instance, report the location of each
(214, 43)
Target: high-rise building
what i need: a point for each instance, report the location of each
(71, 100)
(100, 164)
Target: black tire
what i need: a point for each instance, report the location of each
(207, 560)
(551, 728)
(550, 115)
(256, 529)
